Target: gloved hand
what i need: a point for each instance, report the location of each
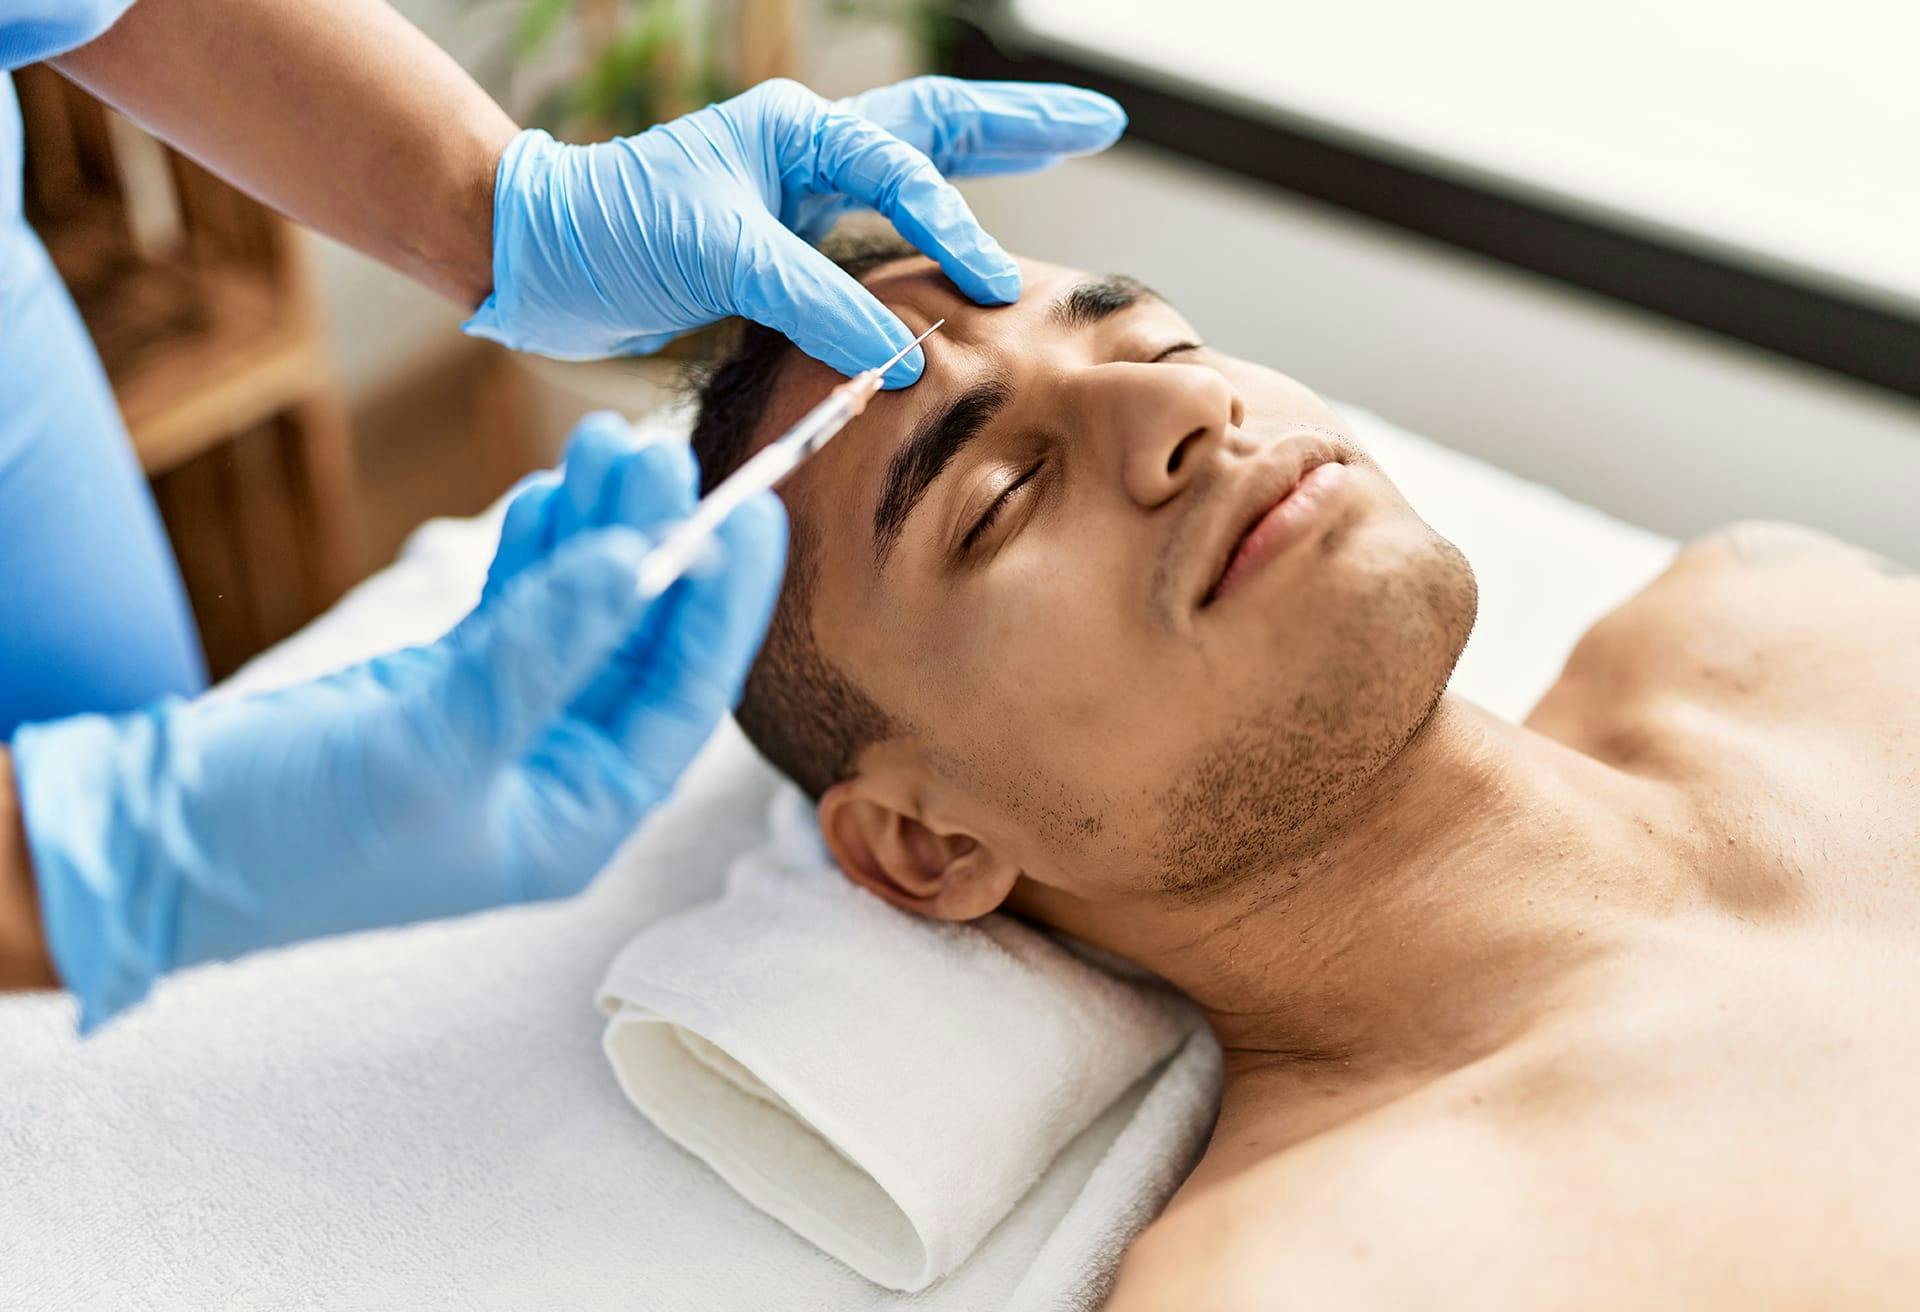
(619, 247)
(503, 763)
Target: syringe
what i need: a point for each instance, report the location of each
(772, 463)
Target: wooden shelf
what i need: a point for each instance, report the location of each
(246, 365)
(201, 306)
(197, 351)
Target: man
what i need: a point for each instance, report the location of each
(1109, 629)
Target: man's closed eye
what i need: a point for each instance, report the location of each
(991, 514)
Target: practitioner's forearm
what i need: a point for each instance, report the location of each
(24, 963)
(338, 113)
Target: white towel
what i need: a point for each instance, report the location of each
(887, 1086)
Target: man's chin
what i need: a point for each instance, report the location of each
(1360, 662)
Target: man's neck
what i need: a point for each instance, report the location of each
(1474, 879)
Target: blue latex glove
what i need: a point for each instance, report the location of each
(503, 763)
(619, 247)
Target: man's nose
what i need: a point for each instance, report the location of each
(1159, 423)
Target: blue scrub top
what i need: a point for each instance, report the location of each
(92, 613)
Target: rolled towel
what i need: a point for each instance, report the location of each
(886, 1086)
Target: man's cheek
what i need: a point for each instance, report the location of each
(1027, 603)
(1070, 669)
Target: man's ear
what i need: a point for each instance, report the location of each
(935, 871)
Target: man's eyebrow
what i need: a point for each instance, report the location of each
(1087, 303)
(934, 442)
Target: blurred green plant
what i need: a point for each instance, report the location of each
(632, 63)
(611, 67)
(605, 68)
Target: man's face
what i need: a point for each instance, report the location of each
(1143, 611)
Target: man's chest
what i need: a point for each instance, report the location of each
(1731, 1128)
(1738, 1132)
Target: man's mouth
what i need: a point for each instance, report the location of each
(1276, 512)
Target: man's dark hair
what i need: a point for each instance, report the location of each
(803, 712)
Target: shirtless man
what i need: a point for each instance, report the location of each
(1611, 1009)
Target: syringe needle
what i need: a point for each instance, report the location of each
(901, 354)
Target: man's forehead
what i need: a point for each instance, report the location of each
(841, 479)
(913, 288)
(915, 283)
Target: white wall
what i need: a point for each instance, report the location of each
(1661, 424)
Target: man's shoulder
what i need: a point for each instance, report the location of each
(1210, 1254)
(1754, 619)
(1751, 562)
(1773, 542)
(1726, 566)
(1347, 1219)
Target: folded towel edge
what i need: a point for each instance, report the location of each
(686, 1127)
(662, 1004)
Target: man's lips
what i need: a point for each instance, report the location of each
(1275, 514)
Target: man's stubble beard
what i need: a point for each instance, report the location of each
(1276, 786)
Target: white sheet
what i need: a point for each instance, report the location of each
(423, 1117)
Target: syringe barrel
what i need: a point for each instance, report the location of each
(765, 469)
(819, 424)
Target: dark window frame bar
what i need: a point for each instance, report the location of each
(1804, 323)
